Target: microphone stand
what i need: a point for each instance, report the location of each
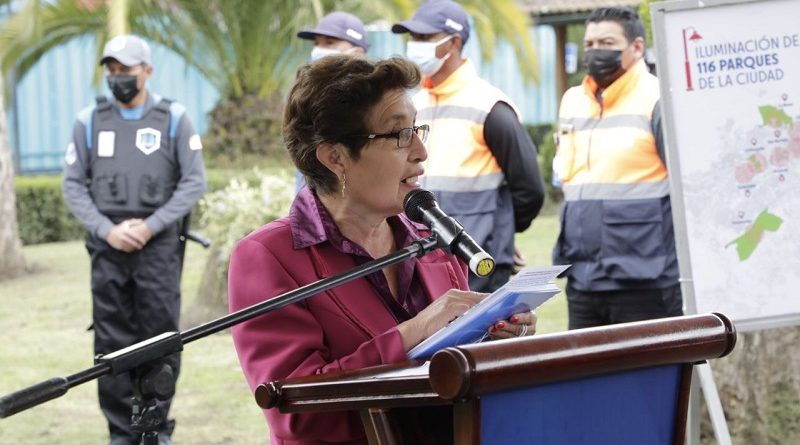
(155, 380)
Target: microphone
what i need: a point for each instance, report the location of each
(420, 206)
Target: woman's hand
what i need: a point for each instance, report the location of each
(438, 314)
(518, 325)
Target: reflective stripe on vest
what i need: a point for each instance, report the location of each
(457, 184)
(607, 122)
(614, 145)
(640, 190)
(453, 112)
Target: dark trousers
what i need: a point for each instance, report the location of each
(500, 276)
(135, 296)
(587, 309)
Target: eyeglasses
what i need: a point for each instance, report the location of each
(403, 136)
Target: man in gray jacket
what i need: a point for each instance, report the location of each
(134, 169)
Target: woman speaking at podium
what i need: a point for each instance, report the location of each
(349, 126)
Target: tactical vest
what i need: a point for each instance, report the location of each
(461, 170)
(133, 165)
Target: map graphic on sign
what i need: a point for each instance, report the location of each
(775, 148)
(753, 178)
(747, 243)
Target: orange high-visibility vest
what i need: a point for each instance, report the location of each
(608, 151)
(616, 223)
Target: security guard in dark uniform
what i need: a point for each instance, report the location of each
(134, 169)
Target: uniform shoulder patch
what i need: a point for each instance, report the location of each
(195, 143)
(71, 156)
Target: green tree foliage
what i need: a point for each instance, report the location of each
(644, 13)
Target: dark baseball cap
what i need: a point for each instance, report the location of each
(437, 16)
(339, 25)
(128, 49)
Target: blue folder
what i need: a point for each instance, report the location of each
(525, 292)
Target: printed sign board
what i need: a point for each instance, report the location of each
(730, 82)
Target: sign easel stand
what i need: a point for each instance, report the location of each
(703, 376)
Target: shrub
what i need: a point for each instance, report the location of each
(42, 214)
(228, 214)
(542, 136)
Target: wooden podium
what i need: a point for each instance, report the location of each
(619, 384)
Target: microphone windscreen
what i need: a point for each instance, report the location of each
(415, 201)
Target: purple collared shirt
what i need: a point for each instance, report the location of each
(311, 224)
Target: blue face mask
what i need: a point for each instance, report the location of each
(424, 55)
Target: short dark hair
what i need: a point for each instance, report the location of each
(627, 18)
(329, 102)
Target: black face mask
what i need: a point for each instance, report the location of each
(603, 65)
(123, 87)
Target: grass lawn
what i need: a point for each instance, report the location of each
(44, 317)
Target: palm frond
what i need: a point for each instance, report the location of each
(38, 27)
(504, 19)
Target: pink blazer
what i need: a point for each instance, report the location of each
(347, 327)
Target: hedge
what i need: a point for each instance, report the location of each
(542, 136)
(43, 216)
